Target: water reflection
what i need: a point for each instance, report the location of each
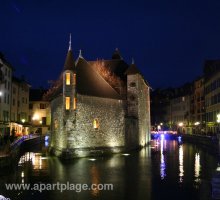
(35, 159)
(162, 161)
(139, 175)
(95, 180)
(181, 169)
(197, 167)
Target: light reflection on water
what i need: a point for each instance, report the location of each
(137, 176)
(162, 161)
(181, 168)
(197, 167)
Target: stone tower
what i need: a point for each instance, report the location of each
(69, 82)
(69, 95)
(137, 106)
(132, 90)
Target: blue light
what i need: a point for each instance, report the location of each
(179, 139)
(162, 136)
(46, 144)
(46, 138)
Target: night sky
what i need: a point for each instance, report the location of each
(169, 40)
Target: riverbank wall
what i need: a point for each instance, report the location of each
(208, 142)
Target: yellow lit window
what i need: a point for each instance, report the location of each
(67, 103)
(67, 78)
(74, 79)
(95, 124)
(74, 103)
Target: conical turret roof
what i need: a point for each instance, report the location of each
(69, 62)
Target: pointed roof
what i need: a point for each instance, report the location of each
(90, 82)
(132, 69)
(80, 53)
(116, 55)
(69, 62)
(117, 67)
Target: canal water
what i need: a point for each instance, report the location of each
(168, 169)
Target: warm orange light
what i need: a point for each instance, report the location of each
(67, 78)
(95, 124)
(67, 103)
(74, 79)
(74, 103)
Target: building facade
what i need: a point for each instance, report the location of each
(19, 121)
(5, 95)
(99, 107)
(180, 114)
(198, 107)
(39, 112)
(212, 95)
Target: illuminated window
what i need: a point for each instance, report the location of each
(67, 78)
(74, 103)
(74, 79)
(67, 103)
(95, 124)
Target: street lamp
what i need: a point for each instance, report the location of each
(196, 123)
(180, 124)
(158, 128)
(218, 118)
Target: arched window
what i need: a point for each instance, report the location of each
(96, 124)
(67, 78)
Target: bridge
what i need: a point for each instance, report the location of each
(11, 152)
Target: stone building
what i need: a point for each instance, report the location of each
(99, 107)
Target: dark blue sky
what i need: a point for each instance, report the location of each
(168, 39)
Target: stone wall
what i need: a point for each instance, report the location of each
(143, 111)
(139, 106)
(58, 132)
(109, 115)
(74, 133)
(119, 125)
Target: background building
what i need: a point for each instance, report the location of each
(19, 106)
(198, 107)
(5, 95)
(212, 95)
(39, 112)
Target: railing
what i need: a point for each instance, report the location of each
(20, 140)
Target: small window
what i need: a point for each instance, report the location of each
(74, 79)
(132, 84)
(42, 106)
(67, 103)
(67, 78)
(96, 124)
(132, 97)
(74, 103)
